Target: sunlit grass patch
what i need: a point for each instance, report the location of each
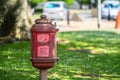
(96, 41)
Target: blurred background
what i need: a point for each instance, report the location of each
(17, 17)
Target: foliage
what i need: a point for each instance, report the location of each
(67, 1)
(83, 55)
(88, 1)
(85, 1)
(35, 2)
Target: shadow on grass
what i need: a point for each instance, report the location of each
(79, 65)
(17, 75)
(101, 60)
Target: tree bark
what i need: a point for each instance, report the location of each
(15, 19)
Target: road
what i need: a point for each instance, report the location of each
(87, 23)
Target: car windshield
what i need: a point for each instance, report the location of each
(52, 5)
(111, 6)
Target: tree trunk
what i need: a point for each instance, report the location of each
(15, 19)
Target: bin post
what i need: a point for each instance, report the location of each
(43, 74)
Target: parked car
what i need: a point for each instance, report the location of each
(110, 9)
(56, 10)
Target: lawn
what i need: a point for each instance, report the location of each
(83, 55)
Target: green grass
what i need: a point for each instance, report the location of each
(83, 55)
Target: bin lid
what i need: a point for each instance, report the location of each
(44, 24)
